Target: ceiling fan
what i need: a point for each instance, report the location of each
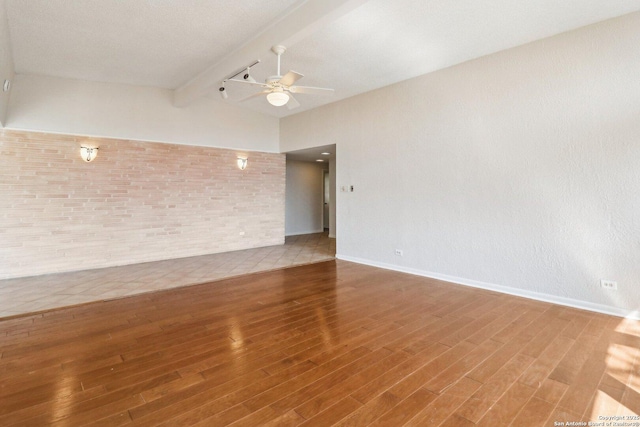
(278, 89)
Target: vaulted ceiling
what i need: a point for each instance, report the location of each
(353, 46)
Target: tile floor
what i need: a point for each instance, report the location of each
(37, 293)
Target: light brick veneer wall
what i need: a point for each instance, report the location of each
(137, 202)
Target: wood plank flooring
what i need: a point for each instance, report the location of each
(332, 343)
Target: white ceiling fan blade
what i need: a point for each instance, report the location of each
(311, 90)
(255, 95)
(293, 103)
(247, 82)
(290, 78)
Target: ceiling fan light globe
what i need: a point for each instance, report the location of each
(277, 99)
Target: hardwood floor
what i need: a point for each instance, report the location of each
(332, 343)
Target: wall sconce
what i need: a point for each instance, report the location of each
(88, 153)
(242, 163)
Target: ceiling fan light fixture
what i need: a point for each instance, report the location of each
(277, 98)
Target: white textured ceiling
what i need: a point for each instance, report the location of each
(166, 43)
(314, 154)
(161, 43)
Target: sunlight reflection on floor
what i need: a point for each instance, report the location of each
(619, 390)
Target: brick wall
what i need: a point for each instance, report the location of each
(137, 202)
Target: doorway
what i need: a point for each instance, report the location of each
(326, 201)
(310, 202)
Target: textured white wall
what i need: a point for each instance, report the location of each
(51, 104)
(518, 171)
(6, 62)
(303, 198)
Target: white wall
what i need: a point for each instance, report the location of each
(518, 171)
(67, 106)
(303, 198)
(6, 62)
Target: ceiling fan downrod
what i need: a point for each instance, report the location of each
(278, 50)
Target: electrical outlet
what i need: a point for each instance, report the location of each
(399, 252)
(609, 284)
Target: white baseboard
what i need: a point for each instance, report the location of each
(332, 236)
(569, 302)
(305, 232)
